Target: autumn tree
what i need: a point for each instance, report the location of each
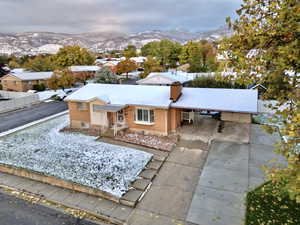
(40, 63)
(73, 55)
(54, 82)
(66, 78)
(265, 48)
(165, 51)
(13, 64)
(125, 66)
(200, 56)
(130, 51)
(151, 65)
(83, 77)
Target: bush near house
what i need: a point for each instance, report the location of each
(267, 205)
(39, 87)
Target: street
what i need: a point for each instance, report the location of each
(14, 211)
(21, 117)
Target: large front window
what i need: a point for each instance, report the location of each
(144, 116)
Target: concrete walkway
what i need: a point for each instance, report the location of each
(230, 171)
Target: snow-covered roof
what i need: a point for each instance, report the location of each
(84, 68)
(217, 99)
(111, 63)
(231, 100)
(139, 59)
(33, 75)
(165, 78)
(18, 70)
(155, 96)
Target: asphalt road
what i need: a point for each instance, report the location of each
(21, 117)
(14, 211)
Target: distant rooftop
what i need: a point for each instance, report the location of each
(32, 75)
(84, 68)
(167, 78)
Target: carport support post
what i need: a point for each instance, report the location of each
(116, 123)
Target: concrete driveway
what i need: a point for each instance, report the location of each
(208, 130)
(231, 170)
(21, 117)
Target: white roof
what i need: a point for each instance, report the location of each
(168, 78)
(33, 75)
(231, 100)
(84, 68)
(111, 63)
(217, 99)
(139, 59)
(115, 94)
(18, 70)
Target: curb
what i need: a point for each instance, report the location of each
(5, 133)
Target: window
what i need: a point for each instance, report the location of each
(15, 83)
(144, 116)
(81, 106)
(84, 125)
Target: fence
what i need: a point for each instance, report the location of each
(16, 100)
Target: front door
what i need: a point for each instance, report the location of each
(99, 118)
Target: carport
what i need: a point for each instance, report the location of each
(228, 102)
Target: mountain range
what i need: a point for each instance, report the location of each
(33, 43)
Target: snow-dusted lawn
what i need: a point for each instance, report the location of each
(44, 95)
(73, 157)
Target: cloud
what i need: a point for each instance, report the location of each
(76, 16)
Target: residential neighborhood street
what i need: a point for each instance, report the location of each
(14, 211)
(24, 116)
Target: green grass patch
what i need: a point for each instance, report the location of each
(266, 205)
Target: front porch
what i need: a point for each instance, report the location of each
(109, 118)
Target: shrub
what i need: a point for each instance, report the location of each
(39, 87)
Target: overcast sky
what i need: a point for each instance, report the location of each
(77, 16)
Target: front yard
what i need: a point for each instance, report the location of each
(73, 157)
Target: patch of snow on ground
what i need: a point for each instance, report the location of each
(44, 95)
(73, 157)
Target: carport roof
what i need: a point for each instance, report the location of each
(224, 100)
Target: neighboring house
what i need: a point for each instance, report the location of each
(168, 78)
(77, 70)
(112, 65)
(24, 81)
(139, 60)
(260, 88)
(154, 109)
(3, 71)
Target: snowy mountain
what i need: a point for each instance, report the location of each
(34, 43)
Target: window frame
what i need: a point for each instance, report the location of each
(147, 116)
(81, 106)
